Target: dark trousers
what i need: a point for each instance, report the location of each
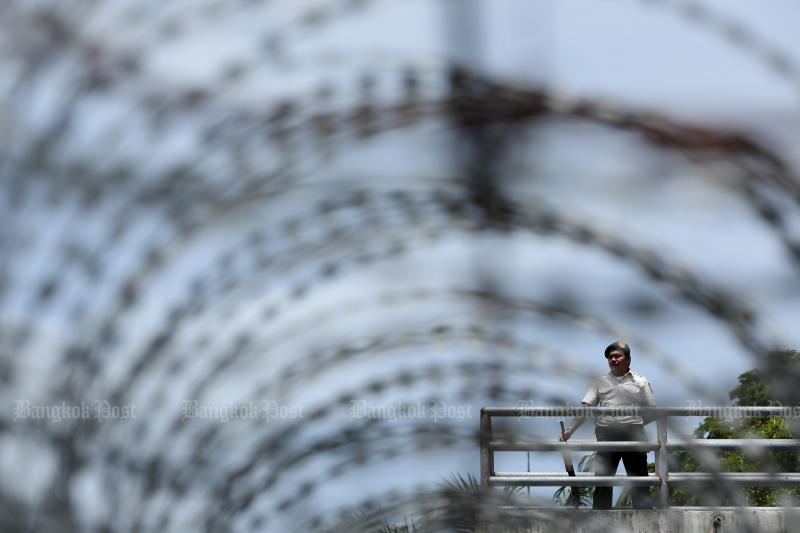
(635, 465)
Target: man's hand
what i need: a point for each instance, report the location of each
(565, 435)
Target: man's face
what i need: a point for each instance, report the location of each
(619, 363)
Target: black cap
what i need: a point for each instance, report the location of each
(618, 346)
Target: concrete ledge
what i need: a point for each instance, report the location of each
(676, 520)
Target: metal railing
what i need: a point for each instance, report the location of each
(662, 446)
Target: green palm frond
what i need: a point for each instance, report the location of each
(584, 495)
(457, 482)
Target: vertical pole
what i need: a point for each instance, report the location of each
(487, 459)
(529, 471)
(661, 462)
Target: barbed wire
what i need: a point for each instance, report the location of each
(734, 33)
(158, 214)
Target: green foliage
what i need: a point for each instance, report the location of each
(471, 487)
(464, 498)
(584, 495)
(458, 483)
(775, 383)
(405, 528)
(756, 388)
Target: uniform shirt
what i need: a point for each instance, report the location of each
(609, 391)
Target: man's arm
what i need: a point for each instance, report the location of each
(649, 401)
(576, 423)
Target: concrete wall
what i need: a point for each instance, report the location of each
(669, 521)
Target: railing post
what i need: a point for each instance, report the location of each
(662, 460)
(487, 457)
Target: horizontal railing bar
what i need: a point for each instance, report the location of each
(559, 509)
(651, 412)
(736, 478)
(732, 444)
(551, 445)
(680, 475)
(571, 481)
(556, 474)
(739, 475)
(587, 479)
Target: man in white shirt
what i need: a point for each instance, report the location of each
(620, 387)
